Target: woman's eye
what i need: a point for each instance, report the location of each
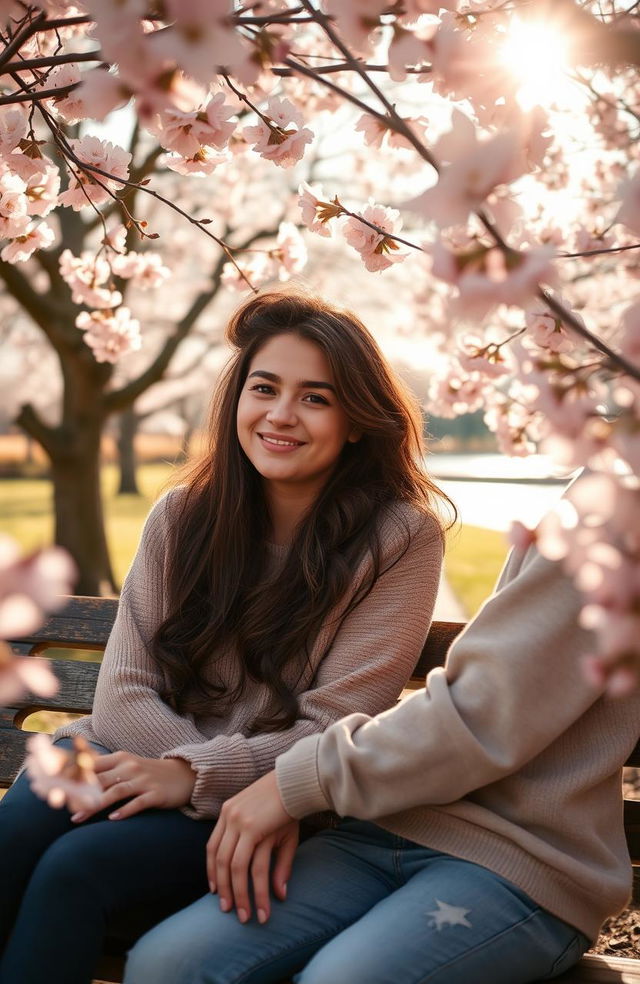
(262, 388)
(316, 398)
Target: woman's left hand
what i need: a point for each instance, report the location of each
(160, 783)
(252, 826)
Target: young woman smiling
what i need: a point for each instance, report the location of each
(289, 579)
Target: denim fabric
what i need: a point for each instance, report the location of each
(65, 885)
(367, 907)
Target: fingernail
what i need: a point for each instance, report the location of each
(225, 905)
(212, 887)
(284, 888)
(77, 817)
(242, 915)
(115, 815)
(262, 916)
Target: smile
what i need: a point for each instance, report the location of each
(279, 442)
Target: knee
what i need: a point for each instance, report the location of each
(150, 960)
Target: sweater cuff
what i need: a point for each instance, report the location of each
(298, 779)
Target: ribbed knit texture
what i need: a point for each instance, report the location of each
(509, 758)
(359, 662)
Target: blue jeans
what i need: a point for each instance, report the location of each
(366, 907)
(64, 886)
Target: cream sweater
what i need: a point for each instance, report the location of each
(358, 662)
(509, 758)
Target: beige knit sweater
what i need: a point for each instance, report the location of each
(358, 662)
(509, 757)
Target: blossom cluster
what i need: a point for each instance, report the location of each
(530, 258)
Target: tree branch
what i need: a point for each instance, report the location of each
(120, 399)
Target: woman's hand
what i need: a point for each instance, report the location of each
(252, 826)
(160, 783)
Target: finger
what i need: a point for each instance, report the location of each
(115, 794)
(212, 849)
(112, 777)
(223, 858)
(260, 867)
(105, 762)
(144, 801)
(285, 854)
(239, 868)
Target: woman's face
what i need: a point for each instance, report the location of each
(290, 424)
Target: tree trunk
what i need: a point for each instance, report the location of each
(127, 428)
(79, 514)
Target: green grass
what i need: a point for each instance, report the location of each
(474, 555)
(473, 560)
(26, 511)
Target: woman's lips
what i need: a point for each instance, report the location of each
(276, 442)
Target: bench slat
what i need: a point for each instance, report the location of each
(83, 623)
(596, 969)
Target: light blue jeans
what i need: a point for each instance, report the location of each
(366, 907)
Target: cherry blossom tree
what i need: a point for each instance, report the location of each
(503, 152)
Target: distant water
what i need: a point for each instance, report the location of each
(490, 502)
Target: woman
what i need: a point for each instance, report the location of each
(290, 579)
(498, 846)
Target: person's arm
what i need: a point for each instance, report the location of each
(511, 685)
(128, 712)
(370, 659)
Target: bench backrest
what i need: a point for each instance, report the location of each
(85, 623)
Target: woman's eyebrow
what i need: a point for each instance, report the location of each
(304, 383)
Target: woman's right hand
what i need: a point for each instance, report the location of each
(253, 826)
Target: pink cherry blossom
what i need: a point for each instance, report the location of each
(456, 392)
(486, 358)
(63, 777)
(42, 179)
(35, 237)
(355, 21)
(377, 250)
(20, 674)
(14, 218)
(373, 130)
(87, 275)
(475, 168)
(407, 48)
(145, 270)
(87, 187)
(485, 277)
(110, 333)
(280, 137)
(71, 106)
(547, 330)
(203, 41)
(257, 269)
(316, 211)
(629, 211)
(204, 162)
(30, 586)
(102, 92)
(290, 252)
(14, 126)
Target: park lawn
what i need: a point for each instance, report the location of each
(474, 555)
(473, 559)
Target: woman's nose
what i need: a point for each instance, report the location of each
(282, 412)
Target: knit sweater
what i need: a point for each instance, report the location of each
(509, 757)
(358, 661)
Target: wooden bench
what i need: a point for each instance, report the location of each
(85, 624)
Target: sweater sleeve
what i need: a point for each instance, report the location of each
(511, 685)
(128, 712)
(370, 659)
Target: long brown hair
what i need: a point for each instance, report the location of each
(218, 594)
